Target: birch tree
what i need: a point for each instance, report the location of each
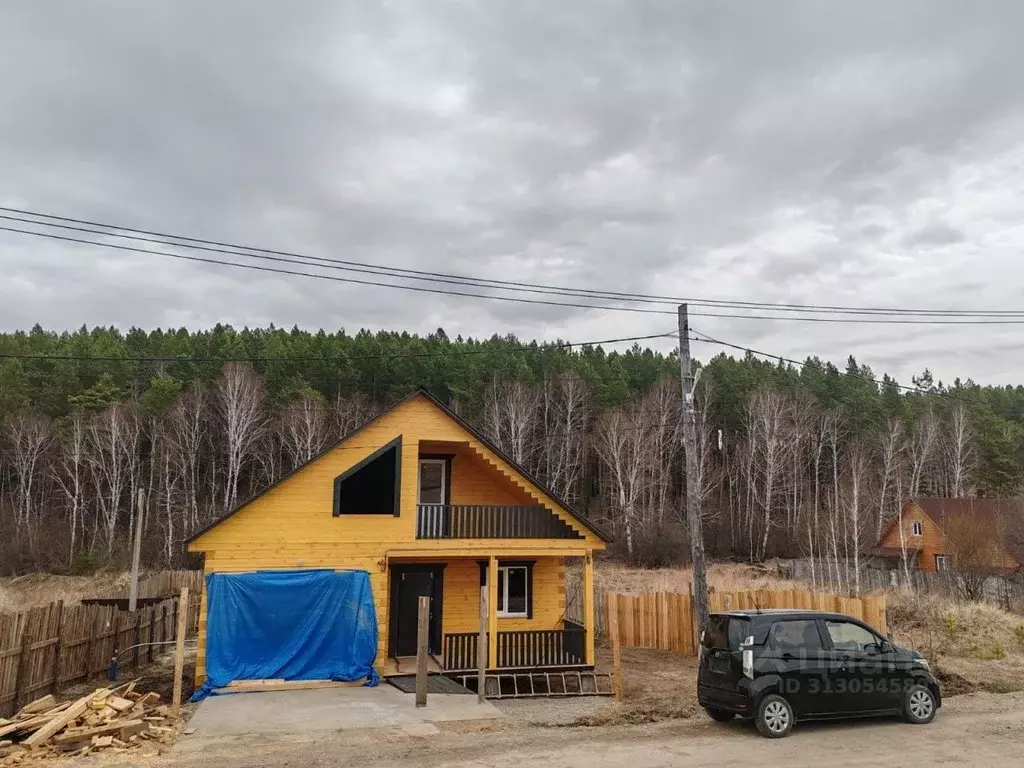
(241, 403)
(29, 436)
(304, 426)
(511, 415)
(70, 475)
(958, 453)
(624, 450)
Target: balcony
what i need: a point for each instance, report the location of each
(473, 521)
(521, 649)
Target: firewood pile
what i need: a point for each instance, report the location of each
(107, 719)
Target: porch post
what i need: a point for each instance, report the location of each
(589, 623)
(492, 611)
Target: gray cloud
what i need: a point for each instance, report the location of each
(788, 152)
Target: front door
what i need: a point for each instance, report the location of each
(408, 584)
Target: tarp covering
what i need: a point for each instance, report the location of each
(295, 625)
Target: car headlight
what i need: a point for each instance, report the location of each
(923, 663)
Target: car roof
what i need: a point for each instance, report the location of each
(777, 613)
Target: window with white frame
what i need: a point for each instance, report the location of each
(513, 589)
(916, 528)
(941, 563)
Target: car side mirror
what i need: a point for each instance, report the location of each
(885, 647)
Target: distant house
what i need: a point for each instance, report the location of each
(942, 534)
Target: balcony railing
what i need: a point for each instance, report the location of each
(520, 649)
(478, 521)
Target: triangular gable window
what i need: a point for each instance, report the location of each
(373, 486)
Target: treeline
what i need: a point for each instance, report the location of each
(807, 461)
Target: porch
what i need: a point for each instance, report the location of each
(515, 603)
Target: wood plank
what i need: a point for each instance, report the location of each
(291, 685)
(86, 734)
(179, 649)
(65, 717)
(39, 705)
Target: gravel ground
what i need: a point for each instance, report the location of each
(554, 712)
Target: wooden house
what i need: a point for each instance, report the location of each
(428, 507)
(932, 530)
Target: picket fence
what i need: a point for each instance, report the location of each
(45, 649)
(665, 619)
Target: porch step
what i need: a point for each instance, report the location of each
(521, 685)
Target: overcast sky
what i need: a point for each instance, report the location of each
(866, 153)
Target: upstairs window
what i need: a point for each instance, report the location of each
(371, 487)
(916, 528)
(433, 482)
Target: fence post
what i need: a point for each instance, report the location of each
(21, 672)
(179, 651)
(57, 648)
(613, 634)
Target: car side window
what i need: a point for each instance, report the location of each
(847, 636)
(795, 636)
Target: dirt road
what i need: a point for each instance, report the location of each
(982, 730)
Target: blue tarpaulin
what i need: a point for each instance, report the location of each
(295, 625)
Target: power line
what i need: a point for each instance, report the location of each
(413, 274)
(338, 358)
(892, 382)
(514, 299)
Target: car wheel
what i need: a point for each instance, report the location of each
(919, 705)
(774, 717)
(719, 715)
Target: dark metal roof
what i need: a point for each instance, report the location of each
(421, 392)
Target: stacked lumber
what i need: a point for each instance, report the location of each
(106, 719)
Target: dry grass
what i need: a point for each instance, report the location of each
(656, 685)
(19, 593)
(724, 577)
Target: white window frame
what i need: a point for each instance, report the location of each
(444, 480)
(503, 612)
(917, 528)
(942, 563)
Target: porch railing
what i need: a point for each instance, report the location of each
(479, 521)
(522, 649)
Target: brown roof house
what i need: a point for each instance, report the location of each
(951, 534)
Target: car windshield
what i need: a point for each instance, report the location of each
(726, 632)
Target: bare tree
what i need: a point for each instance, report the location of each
(976, 548)
(350, 413)
(29, 437)
(187, 435)
(921, 447)
(891, 446)
(70, 475)
(768, 415)
(113, 442)
(660, 413)
(304, 426)
(241, 399)
(511, 416)
(959, 454)
(623, 448)
(859, 467)
(566, 416)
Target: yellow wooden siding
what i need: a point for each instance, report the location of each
(461, 610)
(291, 526)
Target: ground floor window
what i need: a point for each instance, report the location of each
(941, 563)
(515, 588)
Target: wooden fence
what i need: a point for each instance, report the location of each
(665, 619)
(43, 650)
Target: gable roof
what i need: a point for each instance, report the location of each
(988, 510)
(421, 392)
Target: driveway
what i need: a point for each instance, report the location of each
(315, 713)
(982, 730)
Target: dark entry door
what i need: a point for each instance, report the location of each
(409, 584)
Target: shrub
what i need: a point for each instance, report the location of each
(952, 625)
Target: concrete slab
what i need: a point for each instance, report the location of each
(297, 713)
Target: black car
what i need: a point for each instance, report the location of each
(781, 666)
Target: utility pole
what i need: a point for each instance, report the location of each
(133, 590)
(700, 573)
